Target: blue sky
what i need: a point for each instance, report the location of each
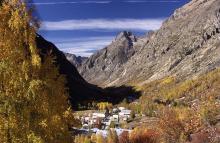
(83, 26)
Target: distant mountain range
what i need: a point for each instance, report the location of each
(186, 46)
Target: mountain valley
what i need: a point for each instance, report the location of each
(161, 87)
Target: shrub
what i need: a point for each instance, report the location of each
(171, 126)
(178, 124)
(112, 137)
(104, 105)
(100, 139)
(209, 111)
(144, 136)
(82, 139)
(124, 137)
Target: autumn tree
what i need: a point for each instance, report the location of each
(33, 97)
(142, 135)
(177, 124)
(100, 139)
(104, 105)
(112, 137)
(82, 139)
(124, 137)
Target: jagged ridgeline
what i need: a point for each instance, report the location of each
(186, 46)
(33, 97)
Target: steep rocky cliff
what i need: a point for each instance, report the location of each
(75, 60)
(100, 66)
(187, 45)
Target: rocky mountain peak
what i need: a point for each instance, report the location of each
(186, 46)
(193, 5)
(126, 35)
(101, 64)
(77, 61)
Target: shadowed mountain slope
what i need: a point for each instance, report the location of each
(80, 91)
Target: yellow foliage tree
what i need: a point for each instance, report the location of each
(177, 124)
(112, 137)
(33, 98)
(100, 139)
(104, 105)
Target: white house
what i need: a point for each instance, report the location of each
(115, 110)
(95, 117)
(98, 115)
(121, 108)
(104, 133)
(85, 126)
(114, 118)
(107, 123)
(119, 131)
(87, 119)
(125, 114)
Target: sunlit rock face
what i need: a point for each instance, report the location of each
(99, 68)
(187, 45)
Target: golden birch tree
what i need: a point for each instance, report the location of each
(33, 98)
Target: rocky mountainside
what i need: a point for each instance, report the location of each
(75, 60)
(187, 45)
(100, 66)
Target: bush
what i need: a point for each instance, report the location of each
(209, 111)
(171, 126)
(178, 124)
(100, 139)
(144, 136)
(104, 105)
(124, 137)
(82, 139)
(112, 137)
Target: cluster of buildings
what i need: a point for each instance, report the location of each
(107, 119)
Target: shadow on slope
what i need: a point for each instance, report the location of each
(114, 95)
(118, 94)
(80, 91)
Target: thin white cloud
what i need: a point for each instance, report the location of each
(105, 2)
(84, 46)
(51, 3)
(98, 2)
(150, 1)
(104, 24)
(73, 2)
